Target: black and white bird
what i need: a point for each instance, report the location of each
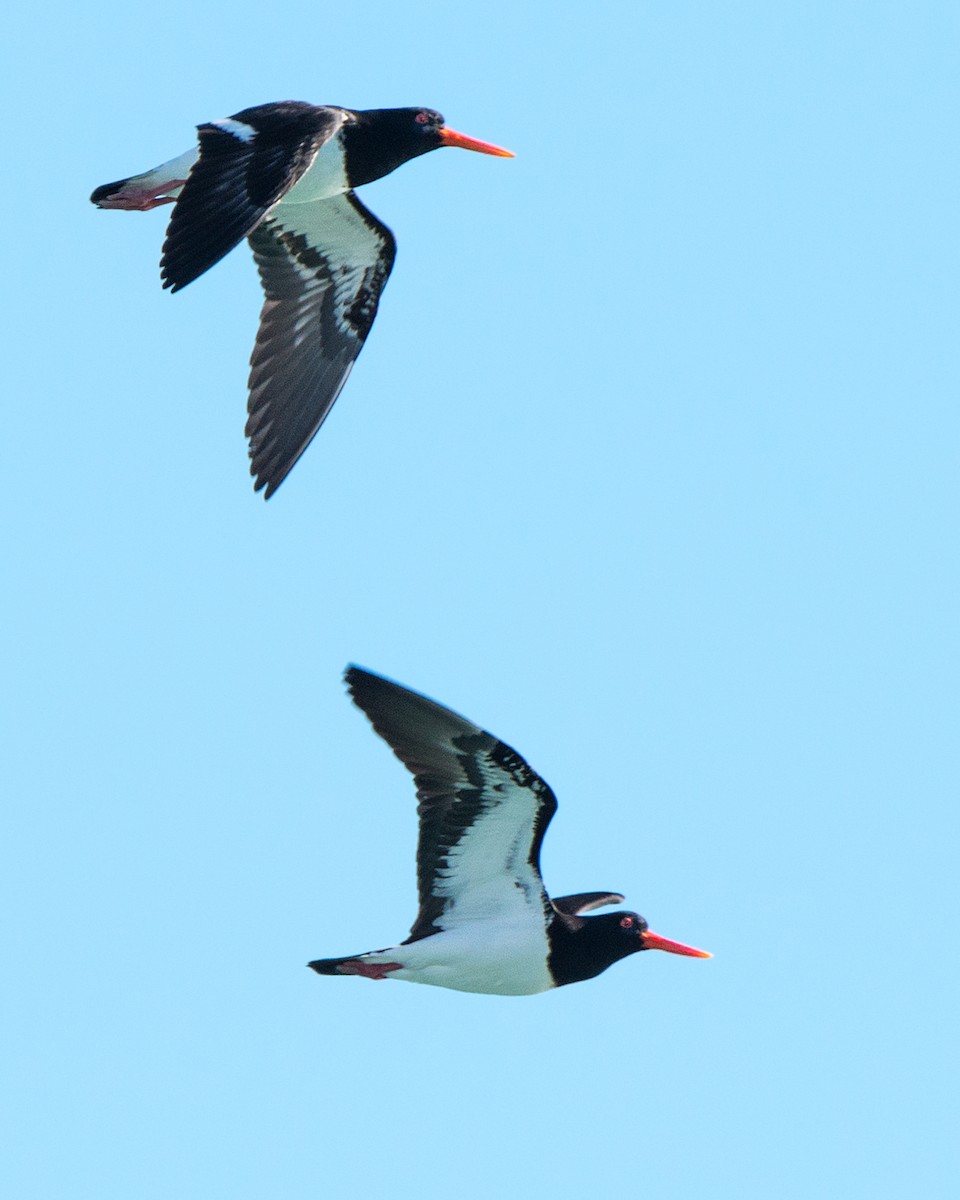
(282, 175)
(485, 923)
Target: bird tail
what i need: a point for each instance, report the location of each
(356, 964)
(139, 193)
(330, 966)
(107, 191)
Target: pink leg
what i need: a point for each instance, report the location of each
(142, 199)
(368, 970)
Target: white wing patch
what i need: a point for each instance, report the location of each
(239, 129)
(487, 875)
(323, 267)
(336, 233)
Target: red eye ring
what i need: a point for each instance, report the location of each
(626, 922)
(422, 118)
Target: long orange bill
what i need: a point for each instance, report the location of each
(450, 137)
(653, 941)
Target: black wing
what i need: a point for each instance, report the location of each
(483, 812)
(247, 163)
(582, 902)
(323, 267)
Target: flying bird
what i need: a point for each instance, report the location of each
(282, 175)
(485, 923)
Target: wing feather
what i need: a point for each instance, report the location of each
(323, 267)
(246, 164)
(483, 811)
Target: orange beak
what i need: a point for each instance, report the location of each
(450, 137)
(653, 941)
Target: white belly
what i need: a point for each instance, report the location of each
(500, 959)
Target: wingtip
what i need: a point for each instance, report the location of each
(169, 280)
(354, 674)
(168, 277)
(263, 480)
(368, 688)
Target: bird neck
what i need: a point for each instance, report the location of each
(580, 948)
(376, 143)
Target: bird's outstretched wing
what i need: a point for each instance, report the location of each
(323, 267)
(246, 163)
(483, 812)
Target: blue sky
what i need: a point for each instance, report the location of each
(649, 466)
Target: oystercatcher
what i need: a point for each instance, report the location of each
(485, 922)
(282, 175)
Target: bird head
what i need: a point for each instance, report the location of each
(381, 139)
(627, 933)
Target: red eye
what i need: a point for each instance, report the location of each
(422, 119)
(626, 922)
